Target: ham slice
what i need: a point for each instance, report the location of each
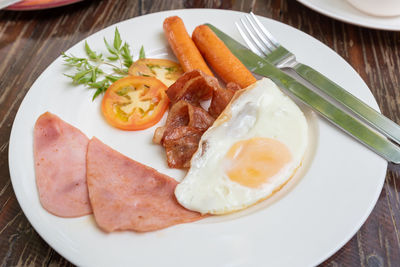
(127, 195)
(60, 166)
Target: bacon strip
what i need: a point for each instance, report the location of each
(60, 166)
(186, 120)
(180, 145)
(181, 134)
(127, 195)
(183, 113)
(193, 86)
(221, 98)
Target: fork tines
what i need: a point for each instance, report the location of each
(251, 29)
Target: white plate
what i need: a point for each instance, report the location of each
(338, 187)
(343, 11)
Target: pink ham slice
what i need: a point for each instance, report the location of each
(60, 166)
(127, 195)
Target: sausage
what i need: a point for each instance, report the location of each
(183, 47)
(220, 58)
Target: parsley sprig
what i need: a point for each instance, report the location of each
(90, 70)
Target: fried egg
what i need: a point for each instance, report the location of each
(253, 148)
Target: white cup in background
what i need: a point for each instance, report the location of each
(378, 7)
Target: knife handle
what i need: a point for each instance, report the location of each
(362, 110)
(346, 122)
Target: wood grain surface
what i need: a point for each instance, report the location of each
(30, 41)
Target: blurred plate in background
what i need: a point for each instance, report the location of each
(40, 4)
(344, 11)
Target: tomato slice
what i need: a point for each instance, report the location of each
(165, 70)
(135, 103)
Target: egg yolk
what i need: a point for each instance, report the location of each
(251, 162)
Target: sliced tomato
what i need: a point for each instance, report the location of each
(165, 70)
(135, 103)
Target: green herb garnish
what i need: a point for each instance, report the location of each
(90, 71)
(141, 53)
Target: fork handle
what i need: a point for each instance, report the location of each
(365, 112)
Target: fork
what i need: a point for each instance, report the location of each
(262, 42)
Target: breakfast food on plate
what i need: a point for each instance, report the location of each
(240, 150)
(193, 86)
(165, 70)
(135, 103)
(183, 47)
(75, 175)
(182, 131)
(220, 58)
(187, 120)
(127, 195)
(221, 97)
(253, 148)
(60, 167)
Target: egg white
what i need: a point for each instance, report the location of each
(261, 110)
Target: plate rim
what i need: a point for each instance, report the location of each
(339, 17)
(58, 3)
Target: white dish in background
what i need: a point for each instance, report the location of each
(385, 8)
(344, 11)
(327, 203)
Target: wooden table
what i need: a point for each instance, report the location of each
(30, 41)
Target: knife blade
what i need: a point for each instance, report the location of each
(354, 127)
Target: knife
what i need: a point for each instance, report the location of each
(6, 3)
(354, 127)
